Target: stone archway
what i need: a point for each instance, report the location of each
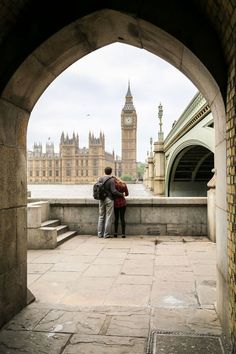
(29, 78)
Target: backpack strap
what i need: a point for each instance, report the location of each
(107, 180)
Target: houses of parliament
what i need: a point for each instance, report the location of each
(84, 165)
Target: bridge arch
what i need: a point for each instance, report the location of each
(39, 46)
(189, 170)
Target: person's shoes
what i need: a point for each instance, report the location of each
(108, 236)
(115, 235)
(100, 236)
(123, 236)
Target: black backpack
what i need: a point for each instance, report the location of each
(99, 191)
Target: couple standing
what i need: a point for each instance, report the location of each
(114, 203)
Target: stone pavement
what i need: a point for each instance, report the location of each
(107, 295)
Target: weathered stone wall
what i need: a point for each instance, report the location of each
(222, 15)
(153, 216)
(13, 234)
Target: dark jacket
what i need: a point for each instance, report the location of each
(110, 187)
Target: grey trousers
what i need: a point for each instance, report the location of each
(105, 219)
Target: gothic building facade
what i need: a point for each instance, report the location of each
(84, 165)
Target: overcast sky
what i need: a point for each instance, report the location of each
(90, 95)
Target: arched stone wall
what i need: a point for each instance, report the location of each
(37, 46)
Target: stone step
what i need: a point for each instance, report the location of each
(51, 223)
(61, 229)
(65, 237)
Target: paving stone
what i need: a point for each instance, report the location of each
(129, 326)
(188, 320)
(88, 291)
(206, 291)
(168, 250)
(106, 253)
(38, 268)
(175, 273)
(200, 269)
(109, 260)
(120, 244)
(127, 295)
(15, 342)
(144, 249)
(105, 345)
(27, 319)
(71, 322)
(69, 267)
(135, 267)
(171, 295)
(134, 279)
(31, 278)
(89, 251)
(174, 260)
(140, 257)
(168, 344)
(102, 270)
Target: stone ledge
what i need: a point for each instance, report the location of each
(155, 201)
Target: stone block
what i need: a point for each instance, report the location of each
(34, 216)
(45, 211)
(8, 248)
(21, 89)
(13, 295)
(43, 238)
(21, 235)
(12, 177)
(13, 124)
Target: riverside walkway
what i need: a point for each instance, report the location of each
(119, 296)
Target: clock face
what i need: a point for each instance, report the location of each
(128, 120)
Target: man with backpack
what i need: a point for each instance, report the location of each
(105, 191)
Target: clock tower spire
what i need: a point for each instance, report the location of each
(129, 136)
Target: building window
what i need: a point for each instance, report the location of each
(44, 173)
(31, 173)
(68, 173)
(50, 173)
(57, 173)
(37, 173)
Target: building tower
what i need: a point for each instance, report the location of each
(129, 136)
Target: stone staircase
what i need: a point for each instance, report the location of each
(43, 232)
(63, 232)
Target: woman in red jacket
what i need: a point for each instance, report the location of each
(120, 206)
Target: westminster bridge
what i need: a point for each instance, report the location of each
(182, 164)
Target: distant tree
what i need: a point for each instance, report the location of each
(140, 169)
(126, 177)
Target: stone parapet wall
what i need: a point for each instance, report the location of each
(144, 216)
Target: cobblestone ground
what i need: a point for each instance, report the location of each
(79, 190)
(107, 295)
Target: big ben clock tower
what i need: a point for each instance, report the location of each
(129, 136)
